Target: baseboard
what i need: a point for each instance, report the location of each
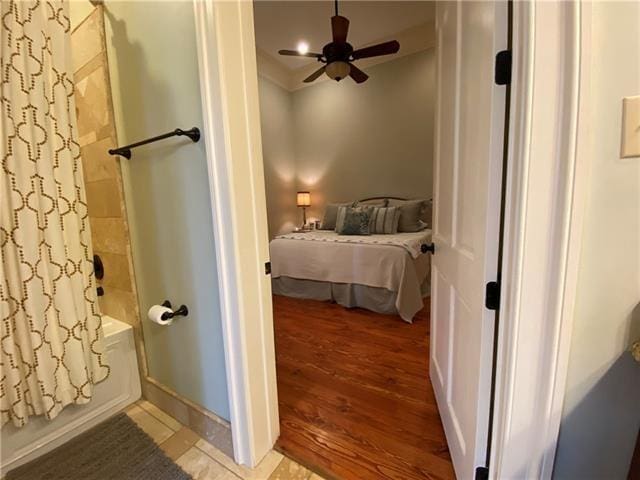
(208, 425)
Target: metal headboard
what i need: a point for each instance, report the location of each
(425, 247)
(381, 198)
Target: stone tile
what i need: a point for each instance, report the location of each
(212, 431)
(166, 402)
(218, 433)
(96, 161)
(202, 467)
(153, 427)
(87, 39)
(116, 271)
(179, 443)
(109, 235)
(315, 476)
(103, 198)
(99, 60)
(290, 470)
(260, 472)
(168, 420)
(92, 103)
(106, 131)
(87, 139)
(120, 304)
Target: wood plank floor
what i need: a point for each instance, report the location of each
(354, 393)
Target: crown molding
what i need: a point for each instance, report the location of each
(271, 69)
(412, 40)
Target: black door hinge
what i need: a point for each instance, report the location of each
(492, 296)
(482, 473)
(503, 67)
(267, 268)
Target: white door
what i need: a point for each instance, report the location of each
(470, 115)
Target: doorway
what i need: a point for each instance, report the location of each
(355, 396)
(230, 97)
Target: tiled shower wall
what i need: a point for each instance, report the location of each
(103, 180)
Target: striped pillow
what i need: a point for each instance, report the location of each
(384, 220)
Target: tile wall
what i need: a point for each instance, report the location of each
(105, 198)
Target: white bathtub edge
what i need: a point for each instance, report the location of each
(119, 333)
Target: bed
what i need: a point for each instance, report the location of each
(383, 273)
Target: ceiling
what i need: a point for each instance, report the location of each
(282, 24)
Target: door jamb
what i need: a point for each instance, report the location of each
(543, 225)
(231, 129)
(547, 176)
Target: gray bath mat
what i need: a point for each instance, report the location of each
(113, 450)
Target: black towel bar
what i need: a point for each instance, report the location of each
(193, 134)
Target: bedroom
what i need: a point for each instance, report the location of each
(349, 188)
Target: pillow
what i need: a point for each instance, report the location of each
(411, 212)
(353, 220)
(331, 214)
(384, 220)
(427, 215)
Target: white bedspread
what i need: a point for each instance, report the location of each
(389, 263)
(411, 242)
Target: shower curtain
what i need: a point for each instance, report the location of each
(52, 348)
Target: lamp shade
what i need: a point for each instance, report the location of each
(304, 199)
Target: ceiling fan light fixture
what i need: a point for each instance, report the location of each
(338, 54)
(303, 48)
(338, 70)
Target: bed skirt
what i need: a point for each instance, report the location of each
(349, 295)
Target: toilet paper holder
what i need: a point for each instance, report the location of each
(182, 311)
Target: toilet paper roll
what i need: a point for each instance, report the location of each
(155, 315)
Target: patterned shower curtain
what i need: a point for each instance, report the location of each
(52, 347)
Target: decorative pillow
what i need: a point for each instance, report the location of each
(384, 220)
(331, 215)
(411, 212)
(353, 220)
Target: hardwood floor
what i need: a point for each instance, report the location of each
(354, 393)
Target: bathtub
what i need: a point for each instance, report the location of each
(121, 388)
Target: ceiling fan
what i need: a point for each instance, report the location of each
(338, 55)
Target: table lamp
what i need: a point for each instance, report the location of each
(304, 201)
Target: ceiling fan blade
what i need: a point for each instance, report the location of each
(340, 28)
(295, 53)
(314, 75)
(386, 48)
(358, 75)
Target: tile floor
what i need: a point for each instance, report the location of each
(202, 460)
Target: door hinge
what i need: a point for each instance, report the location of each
(267, 268)
(482, 473)
(492, 296)
(503, 67)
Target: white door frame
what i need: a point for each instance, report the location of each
(547, 173)
(229, 90)
(545, 183)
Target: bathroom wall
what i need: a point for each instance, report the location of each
(155, 83)
(601, 415)
(350, 140)
(105, 197)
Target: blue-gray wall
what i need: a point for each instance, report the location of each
(154, 76)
